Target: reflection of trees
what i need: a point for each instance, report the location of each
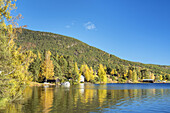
(102, 93)
(74, 100)
(14, 108)
(89, 93)
(47, 99)
(33, 103)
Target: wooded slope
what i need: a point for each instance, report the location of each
(79, 51)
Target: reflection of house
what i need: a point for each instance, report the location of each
(82, 78)
(81, 88)
(148, 80)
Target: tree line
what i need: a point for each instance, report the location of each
(79, 51)
(49, 66)
(55, 66)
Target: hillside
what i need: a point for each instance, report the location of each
(79, 51)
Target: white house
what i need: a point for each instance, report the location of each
(82, 78)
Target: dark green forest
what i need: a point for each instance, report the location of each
(78, 51)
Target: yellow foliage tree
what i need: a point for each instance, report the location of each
(47, 66)
(112, 72)
(87, 73)
(102, 74)
(160, 77)
(134, 76)
(130, 74)
(84, 69)
(14, 62)
(91, 74)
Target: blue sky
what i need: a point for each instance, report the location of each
(135, 30)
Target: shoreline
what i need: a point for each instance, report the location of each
(52, 84)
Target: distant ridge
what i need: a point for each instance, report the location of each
(78, 50)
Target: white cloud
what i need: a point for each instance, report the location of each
(67, 26)
(89, 26)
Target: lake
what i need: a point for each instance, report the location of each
(103, 98)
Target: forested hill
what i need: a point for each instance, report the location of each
(79, 51)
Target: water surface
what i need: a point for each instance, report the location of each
(85, 98)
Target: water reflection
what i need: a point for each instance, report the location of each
(90, 98)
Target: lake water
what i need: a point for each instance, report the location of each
(85, 98)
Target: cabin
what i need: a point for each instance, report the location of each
(148, 80)
(82, 79)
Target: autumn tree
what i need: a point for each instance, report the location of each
(134, 76)
(14, 61)
(129, 74)
(112, 72)
(47, 66)
(160, 77)
(102, 74)
(91, 74)
(84, 70)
